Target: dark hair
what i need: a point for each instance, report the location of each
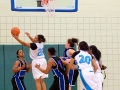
(41, 38)
(17, 52)
(99, 53)
(83, 46)
(52, 50)
(95, 52)
(72, 42)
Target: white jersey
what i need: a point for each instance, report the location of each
(99, 69)
(37, 53)
(83, 60)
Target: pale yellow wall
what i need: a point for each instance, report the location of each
(97, 22)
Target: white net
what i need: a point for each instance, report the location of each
(49, 6)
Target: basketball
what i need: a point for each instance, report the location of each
(15, 31)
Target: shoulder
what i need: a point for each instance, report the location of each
(51, 60)
(71, 50)
(55, 59)
(25, 61)
(75, 53)
(40, 43)
(17, 62)
(33, 46)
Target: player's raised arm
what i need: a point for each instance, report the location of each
(32, 39)
(21, 42)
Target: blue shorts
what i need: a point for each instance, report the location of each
(73, 74)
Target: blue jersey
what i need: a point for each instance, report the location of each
(65, 54)
(73, 74)
(22, 72)
(58, 70)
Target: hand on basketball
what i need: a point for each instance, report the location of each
(27, 33)
(37, 65)
(15, 36)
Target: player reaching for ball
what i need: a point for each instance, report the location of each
(37, 56)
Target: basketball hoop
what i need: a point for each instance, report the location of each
(49, 6)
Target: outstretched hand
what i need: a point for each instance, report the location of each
(27, 33)
(16, 37)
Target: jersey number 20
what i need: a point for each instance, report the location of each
(85, 59)
(40, 52)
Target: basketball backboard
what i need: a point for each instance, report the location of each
(33, 6)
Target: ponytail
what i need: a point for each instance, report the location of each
(73, 41)
(95, 52)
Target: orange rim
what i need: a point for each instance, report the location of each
(45, 2)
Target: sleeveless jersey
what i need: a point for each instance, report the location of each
(58, 70)
(22, 72)
(82, 60)
(65, 54)
(99, 69)
(37, 53)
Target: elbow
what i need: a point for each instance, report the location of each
(46, 72)
(27, 71)
(13, 71)
(95, 68)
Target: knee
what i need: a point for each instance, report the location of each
(37, 80)
(42, 80)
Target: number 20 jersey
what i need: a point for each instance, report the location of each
(82, 60)
(38, 52)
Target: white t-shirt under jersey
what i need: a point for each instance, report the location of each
(36, 50)
(83, 59)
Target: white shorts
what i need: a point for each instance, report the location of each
(100, 78)
(87, 79)
(37, 73)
